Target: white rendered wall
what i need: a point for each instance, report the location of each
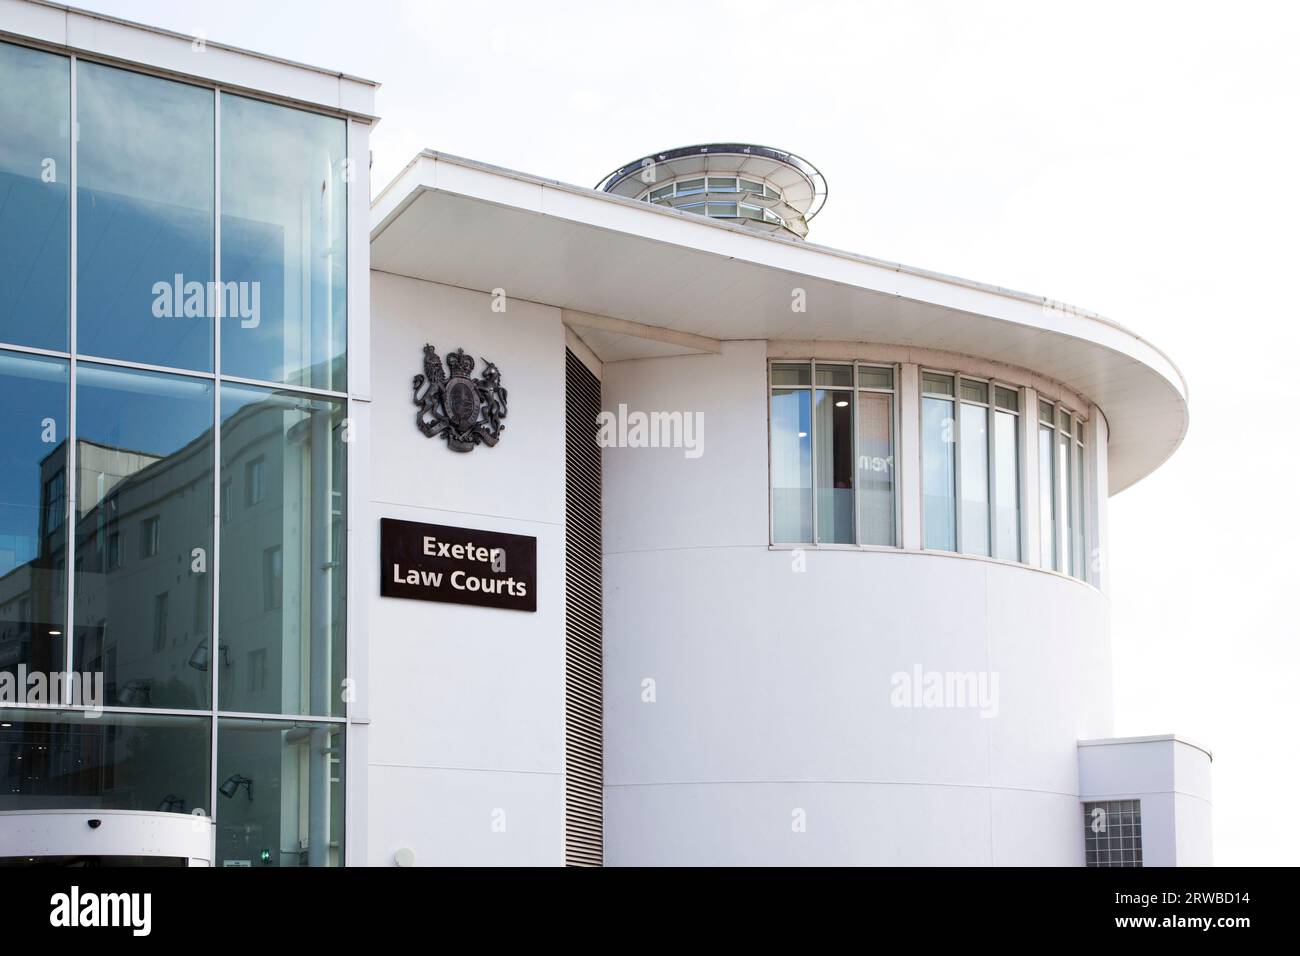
(466, 704)
(772, 687)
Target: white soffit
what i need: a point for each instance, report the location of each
(467, 224)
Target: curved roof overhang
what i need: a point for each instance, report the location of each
(657, 277)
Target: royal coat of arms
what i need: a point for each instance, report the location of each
(468, 411)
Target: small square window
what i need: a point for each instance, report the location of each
(1112, 833)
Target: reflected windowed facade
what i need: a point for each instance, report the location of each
(204, 517)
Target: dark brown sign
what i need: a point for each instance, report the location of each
(436, 562)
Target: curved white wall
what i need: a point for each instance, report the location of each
(773, 685)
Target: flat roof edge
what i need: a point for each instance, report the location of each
(1150, 739)
(68, 28)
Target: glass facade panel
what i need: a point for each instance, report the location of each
(974, 477)
(939, 474)
(279, 793)
(106, 761)
(145, 218)
(35, 163)
(1006, 486)
(833, 444)
(791, 466)
(33, 505)
(876, 469)
(283, 244)
(143, 535)
(282, 617)
(141, 468)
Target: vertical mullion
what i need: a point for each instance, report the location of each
(956, 462)
(991, 467)
(214, 638)
(852, 396)
(813, 444)
(70, 460)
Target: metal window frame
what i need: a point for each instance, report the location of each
(854, 388)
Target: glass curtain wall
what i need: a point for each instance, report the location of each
(201, 620)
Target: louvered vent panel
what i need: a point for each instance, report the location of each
(584, 818)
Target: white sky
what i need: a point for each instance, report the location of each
(1136, 159)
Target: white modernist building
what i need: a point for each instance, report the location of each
(552, 524)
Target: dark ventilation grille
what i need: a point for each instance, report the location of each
(584, 826)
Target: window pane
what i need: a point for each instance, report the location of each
(1046, 413)
(1046, 499)
(791, 374)
(287, 453)
(974, 478)
(876, 469)
(834, 451)
(841, 375)
(791, 466)
(722, 209)
(279, 793)
(689, 187)
(1065, 486)
(933, 384)
(33, 493)
(145, 469)
(35, 100)
(1079, 514)
(283, 244)
(1006, 487)
(662, 192)
(145, 211)
(724, 185)
(871, 377)
(52, 761)
(974, 391)
(751, 186)
(1007, 398)
(939, 471)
